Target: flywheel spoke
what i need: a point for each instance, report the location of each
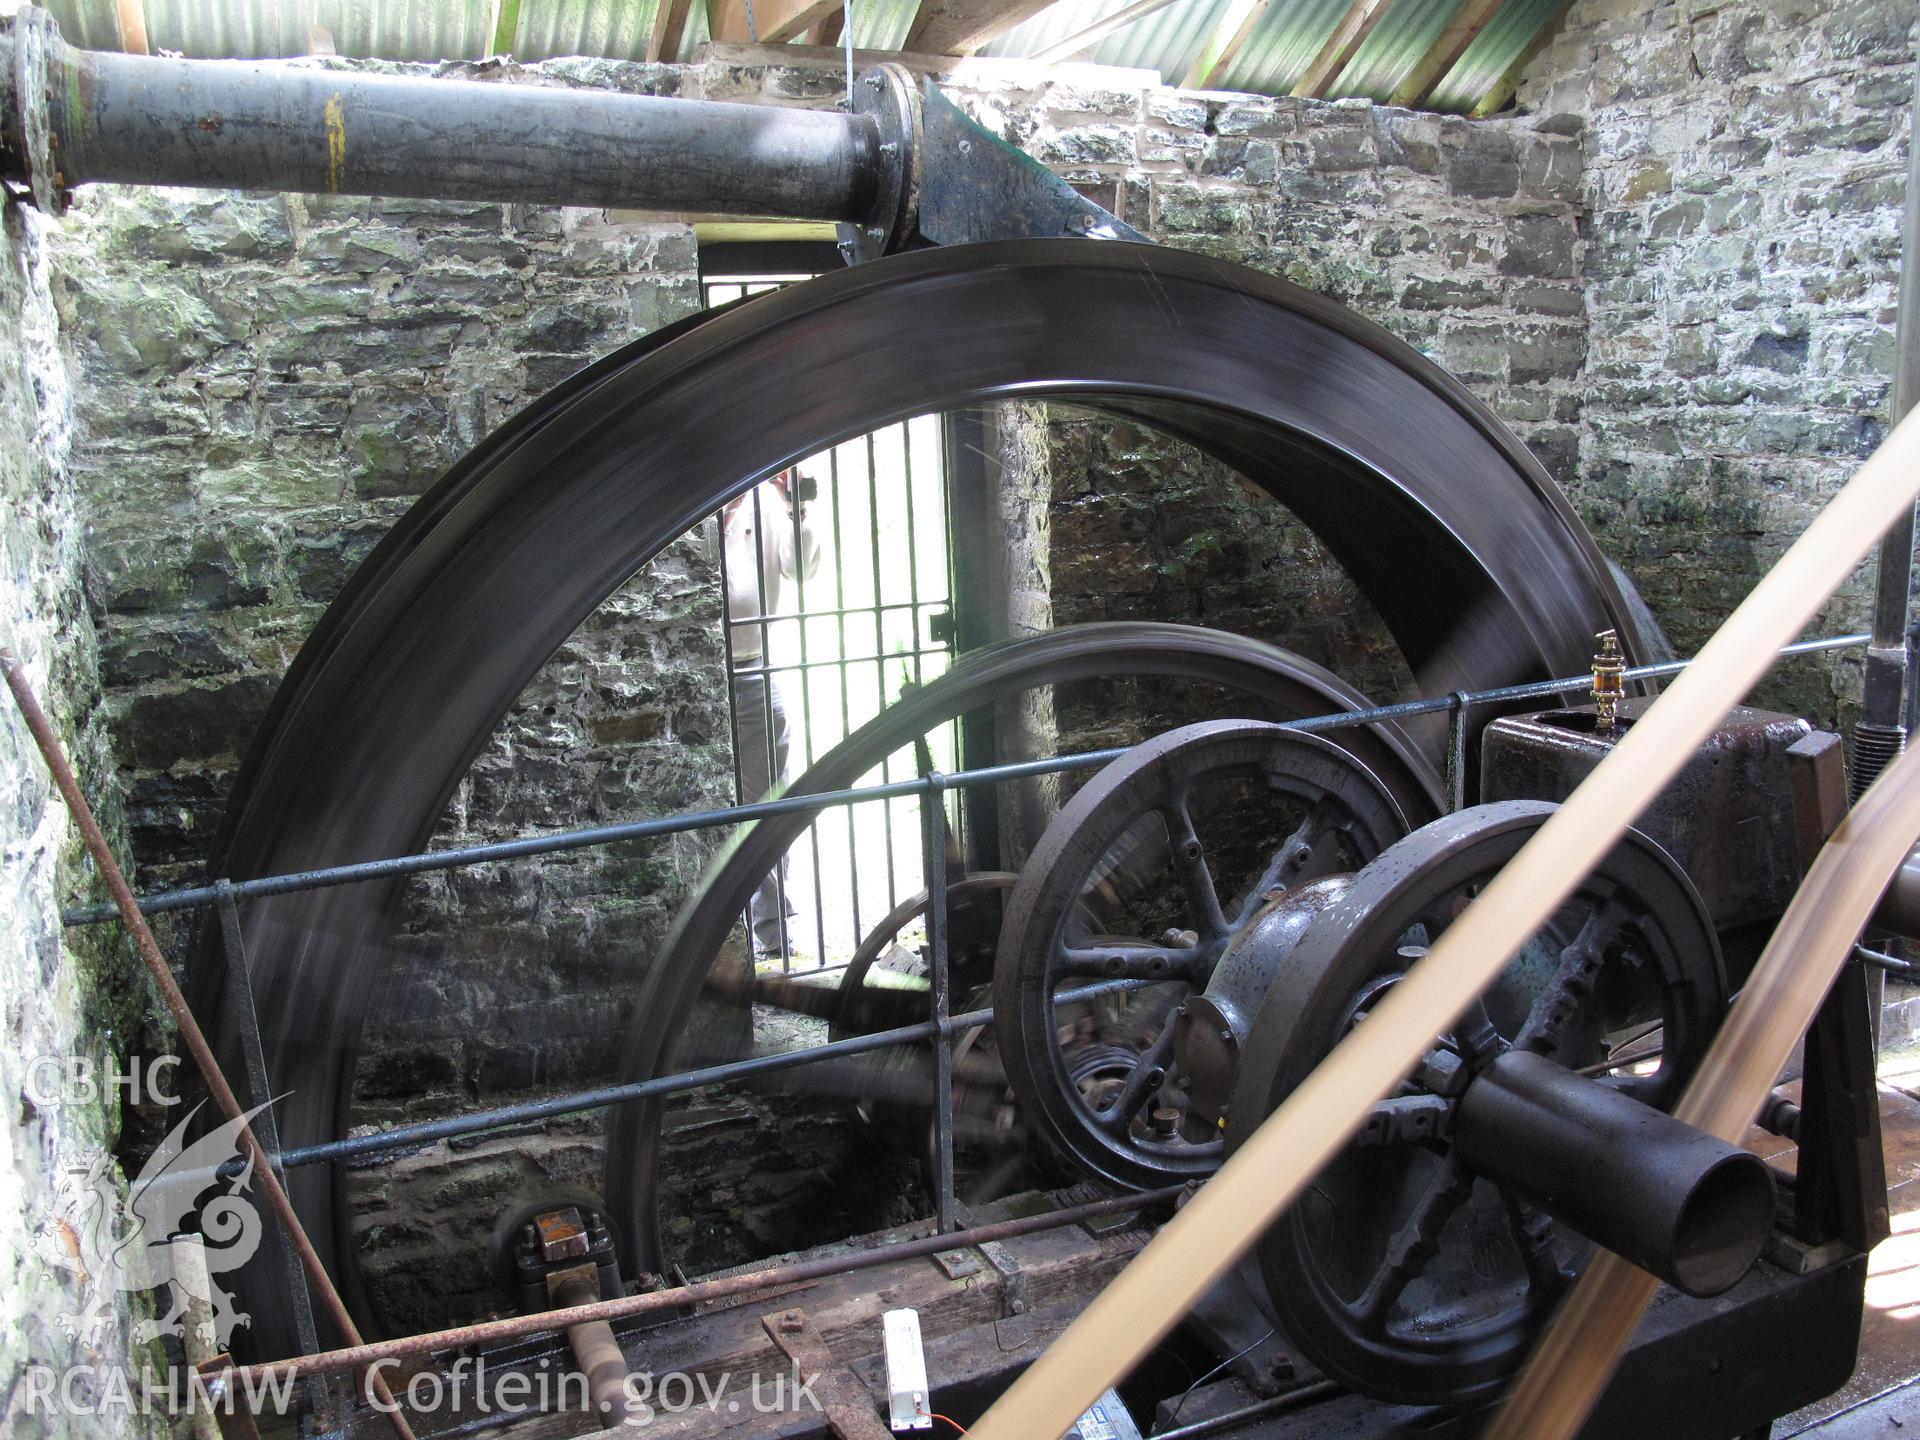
(1196, 879)
(1413, 1246)
(1128, 962)
(1143, 1081)
(1573, 982)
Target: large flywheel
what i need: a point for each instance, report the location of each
(1471, 556)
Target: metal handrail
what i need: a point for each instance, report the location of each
(198, 896)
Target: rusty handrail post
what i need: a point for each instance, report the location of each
(68, 784)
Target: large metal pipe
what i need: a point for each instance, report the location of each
(71, 116)
(1680, 1204)
(1881, 733)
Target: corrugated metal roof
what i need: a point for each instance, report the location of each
(1287, 36)
(1282, 45)
(1406, 33)
(615, 29)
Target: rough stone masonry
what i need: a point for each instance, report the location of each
(1672, 275)
(66, 1326)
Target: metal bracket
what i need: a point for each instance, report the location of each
(978, 187)
(1013, 1283)
(849, 1409)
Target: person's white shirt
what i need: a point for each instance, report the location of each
(765, 547)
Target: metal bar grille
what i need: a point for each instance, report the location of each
(834, 649)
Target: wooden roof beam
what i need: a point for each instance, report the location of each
(1503, 89)
(1345, 41)
(961, 27)
(768, 22)
(1467, 23)
(1092, 35)
(669, 29)
(1224, 45)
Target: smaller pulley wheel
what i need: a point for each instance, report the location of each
(1177, 846)
(886, 987)
(1400, 1272)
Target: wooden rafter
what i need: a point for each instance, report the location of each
(1509, 82)
(1092, 35)
(765, 22)
(829, 30)
(1224, 45)
(960, 27)
(669, 28)
(1334, 57)
(1445, 53)
(132, 16)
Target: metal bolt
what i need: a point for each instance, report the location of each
(1164, 1120)
(966, 147)
(874, 82)
(889, 148)
(874, 232)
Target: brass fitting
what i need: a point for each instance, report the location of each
(1609, 680)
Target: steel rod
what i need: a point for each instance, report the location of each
(254, 1378)
(247, 125)
(506, 1116)
(201, 895)
(933, 808)
(191, 1035)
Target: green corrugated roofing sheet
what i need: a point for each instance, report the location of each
(1286, 37)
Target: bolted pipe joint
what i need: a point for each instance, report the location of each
(1684, 1206)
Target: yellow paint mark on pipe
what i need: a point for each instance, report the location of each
(336, 143)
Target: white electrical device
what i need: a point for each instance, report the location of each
(907, 1405)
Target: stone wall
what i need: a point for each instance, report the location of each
(62, 994)
(1745, 167)
(268, 382)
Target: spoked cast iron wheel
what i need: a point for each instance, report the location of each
(1456, 535)
(1258, 679)
(1399, 1272)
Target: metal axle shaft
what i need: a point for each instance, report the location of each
(70, 116)
(1680, 1204)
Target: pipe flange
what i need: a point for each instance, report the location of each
(27, 141)
(888, 95)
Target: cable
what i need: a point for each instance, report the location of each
(958, 1428)
(1174, 1415)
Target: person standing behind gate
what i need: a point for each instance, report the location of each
(769, 539)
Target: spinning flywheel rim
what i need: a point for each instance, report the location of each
(1392, 462)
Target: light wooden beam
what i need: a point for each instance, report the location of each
(1093, 34)
(1224, 45)
(1334, 57)
(669, 28)
(766, 22)
(1468, 22)
(960, 27)
(1503, 88)
(829, 30)
(132, 15)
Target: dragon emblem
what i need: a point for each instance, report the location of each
(113, 1245)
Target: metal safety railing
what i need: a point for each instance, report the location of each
(940, 1027)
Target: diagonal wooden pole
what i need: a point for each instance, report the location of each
(1278, 1161)
(195, 1039)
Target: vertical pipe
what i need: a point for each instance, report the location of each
(933, 803)
(1881, 734)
